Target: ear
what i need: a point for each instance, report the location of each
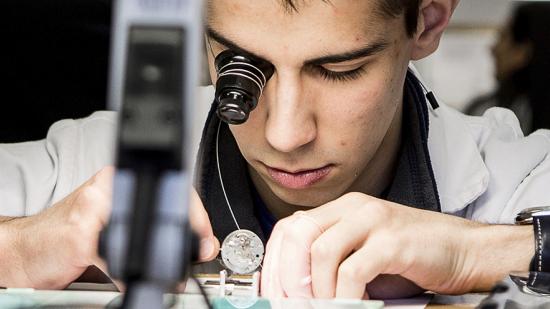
(433, 19)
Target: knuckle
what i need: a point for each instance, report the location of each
(75, 217)
(293, 231)
(87, 207)
(81, 229)
(320, 250)
(350, 273)
(379, 210)
(377, 206)
(88, 193)
(281, 226)
(353, 197)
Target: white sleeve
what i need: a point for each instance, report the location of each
(533, 191)
(37, 174)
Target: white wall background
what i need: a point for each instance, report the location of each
(462, 68)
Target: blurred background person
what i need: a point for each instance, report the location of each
(522, 68)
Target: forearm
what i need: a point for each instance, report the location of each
(10, 261)
(5, 219)
(499, 250)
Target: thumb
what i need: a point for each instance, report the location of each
(200, 222)
(103, 180)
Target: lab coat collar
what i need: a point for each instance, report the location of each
(459, 169)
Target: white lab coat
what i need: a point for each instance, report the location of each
(484, 168)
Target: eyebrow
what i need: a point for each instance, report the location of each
(227, 43)
(369, 50)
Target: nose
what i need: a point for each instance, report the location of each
(290, 123)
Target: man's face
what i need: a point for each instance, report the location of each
(325, 125)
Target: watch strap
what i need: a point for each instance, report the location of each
(539, 282)
(541, 228)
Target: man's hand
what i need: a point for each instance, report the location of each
(53, 248)
(200, 222)
(340, 248)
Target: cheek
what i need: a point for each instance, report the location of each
(250, 135)
(359, 123)
(370, 104)
(243, 136)
(349, 124)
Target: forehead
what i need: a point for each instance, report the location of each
(268, 29)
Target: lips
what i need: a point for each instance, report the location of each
(300, 179)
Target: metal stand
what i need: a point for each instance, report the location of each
(143, 296)
(156, 46)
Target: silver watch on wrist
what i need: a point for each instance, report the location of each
(525, 217)
(539, 218)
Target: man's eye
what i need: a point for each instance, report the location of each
(340, 76)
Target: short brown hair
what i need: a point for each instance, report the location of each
(390, 8)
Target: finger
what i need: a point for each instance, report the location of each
(100, 263)
(209, 244)
(90, 208)
(330, 249)
(180, 287)
(302, 230)
(270, 278)
(295, 263)
(331, 212)
(360, 268)
(100, 191)
(104, 179)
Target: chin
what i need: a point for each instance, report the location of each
(304, 197)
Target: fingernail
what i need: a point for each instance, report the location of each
(305, 281)
(206, 248)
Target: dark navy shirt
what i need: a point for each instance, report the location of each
(266, 219)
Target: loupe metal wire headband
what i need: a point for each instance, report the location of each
(241, 81)
(260, 80)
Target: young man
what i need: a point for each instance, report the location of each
(372, 191)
